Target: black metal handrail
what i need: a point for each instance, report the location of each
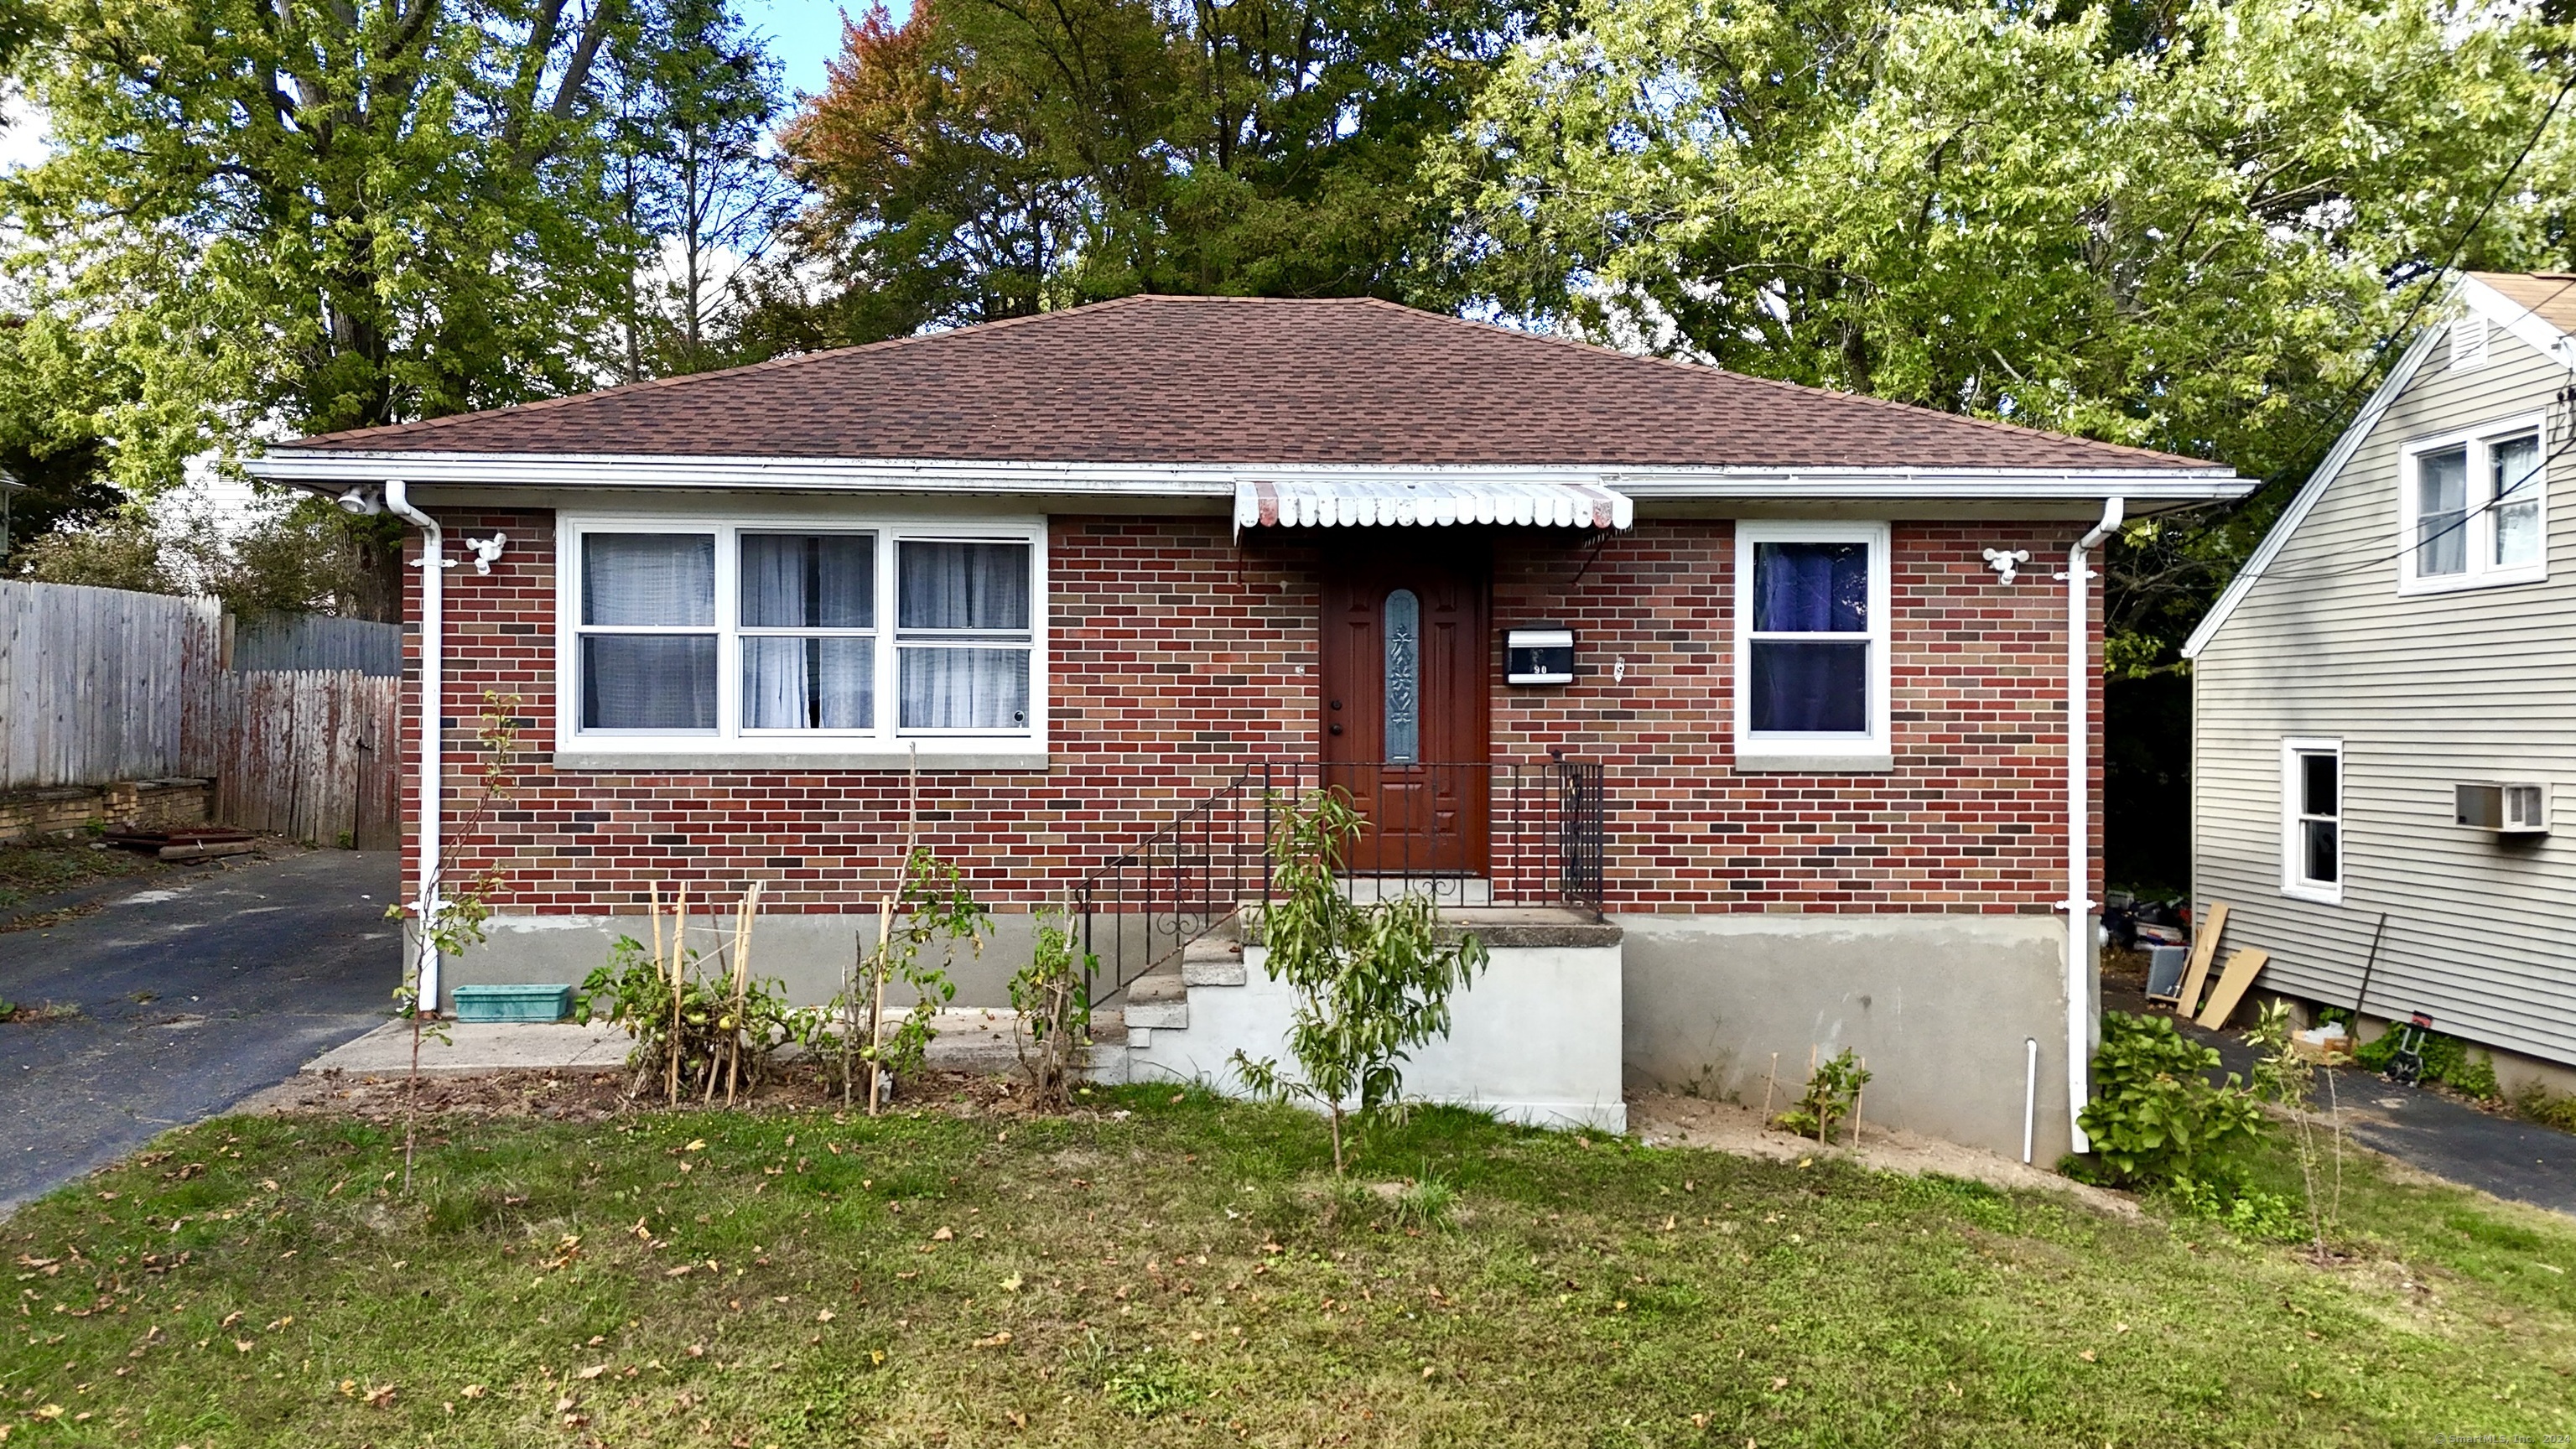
(1464, 834)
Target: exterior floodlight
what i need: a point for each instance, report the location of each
(363, 501)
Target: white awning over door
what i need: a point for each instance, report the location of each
(1319, 503)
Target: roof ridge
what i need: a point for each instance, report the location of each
(1704, 369)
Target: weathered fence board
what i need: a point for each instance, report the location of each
(104, 685)
(308, 753)
(316, 641)
(100, 684)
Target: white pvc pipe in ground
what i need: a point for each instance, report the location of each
(2029, 1095)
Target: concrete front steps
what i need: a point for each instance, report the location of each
(1536, 1038)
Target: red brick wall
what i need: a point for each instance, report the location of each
(1177, 658)
(1973, 819)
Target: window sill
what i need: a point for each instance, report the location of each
(2466, 583)
(1880, 763)
(643, 762)
(2320, 895)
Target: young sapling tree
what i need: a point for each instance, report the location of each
(1372, 982)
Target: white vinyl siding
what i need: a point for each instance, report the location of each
(2424, 691)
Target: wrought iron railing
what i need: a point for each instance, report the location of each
(1466, 835)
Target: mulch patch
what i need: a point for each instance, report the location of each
(591, 1096)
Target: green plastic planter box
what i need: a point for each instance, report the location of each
(512, 1003)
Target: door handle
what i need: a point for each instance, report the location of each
(1337, 729)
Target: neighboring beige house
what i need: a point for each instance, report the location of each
(2384, 702)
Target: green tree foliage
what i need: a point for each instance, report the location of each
(2170, 225)
(291, 216)
(695, 168)
(987, 158)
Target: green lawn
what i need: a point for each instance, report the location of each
(1178, 1271)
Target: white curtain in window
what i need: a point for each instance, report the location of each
(964, 586)
(648, 578)
(965, 689)
(791, 683)
(809, 581)
(648, 682)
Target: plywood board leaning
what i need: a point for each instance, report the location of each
(2232, 983)
(2204, 949)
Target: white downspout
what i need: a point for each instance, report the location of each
(433, 579)
(2079, 823)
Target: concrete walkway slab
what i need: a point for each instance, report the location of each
(481, 1046)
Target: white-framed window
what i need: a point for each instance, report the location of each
(2474, 508)
(1811, 635)
(2312, 795)
(798, 636)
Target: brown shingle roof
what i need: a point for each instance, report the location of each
(1217, 380)
(2551, 295)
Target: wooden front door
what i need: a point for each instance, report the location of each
(1402, 710)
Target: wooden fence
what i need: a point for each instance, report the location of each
(316, 641)
(308, 753)
(98, 685)
(103, 685)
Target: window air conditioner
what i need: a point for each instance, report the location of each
(2504, 809)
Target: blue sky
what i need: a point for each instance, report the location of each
(804, 34)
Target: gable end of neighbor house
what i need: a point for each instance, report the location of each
(2407, 629)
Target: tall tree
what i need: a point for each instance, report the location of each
(301, 215)
(2169, 224)
(695, 169)
(987, 158)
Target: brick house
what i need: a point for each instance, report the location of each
(1733, 712)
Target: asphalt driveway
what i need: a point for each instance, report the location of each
(193, 992)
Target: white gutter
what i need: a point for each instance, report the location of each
(339, 467)
(2079, 824)
(434, 564)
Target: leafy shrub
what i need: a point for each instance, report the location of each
(2244, 1211)
(1052, 998)
(702, 1021)
(2546, 1107)
(1832, 1092)
(2155, 1117)
(2446, 1060)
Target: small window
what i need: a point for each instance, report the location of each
(2476, 510)
(962, 635)
(1812, 621)
(2312, 819)
(648, 636)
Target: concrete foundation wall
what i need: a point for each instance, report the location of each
(1534, 1039)
(809, 953)
(1940, 1006)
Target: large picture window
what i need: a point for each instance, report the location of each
(756, 639)
(2474, 509)
(1812, 634)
